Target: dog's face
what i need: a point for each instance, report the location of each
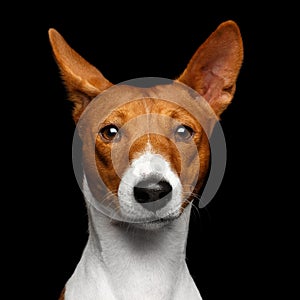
(148, 153)
(151, 153)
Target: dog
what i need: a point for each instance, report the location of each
(145, 158)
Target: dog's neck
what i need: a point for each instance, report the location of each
(123, 262)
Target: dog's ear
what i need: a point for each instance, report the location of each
(82, 80)
(214, 68)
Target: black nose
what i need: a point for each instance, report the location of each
(148, 192)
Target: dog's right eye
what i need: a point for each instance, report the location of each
(110, 133)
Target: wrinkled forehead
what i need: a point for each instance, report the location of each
(128, 100)
(150, 108)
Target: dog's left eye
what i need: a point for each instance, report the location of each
(110, 133)
(183, 133)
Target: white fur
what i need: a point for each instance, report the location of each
(125, 262)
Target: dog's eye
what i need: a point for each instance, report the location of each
(110, 133)
(183, 133)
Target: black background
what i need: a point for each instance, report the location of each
(229, 250)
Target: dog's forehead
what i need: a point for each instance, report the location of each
(147, 106)
(178, 96)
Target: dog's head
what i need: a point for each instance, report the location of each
(145, 152)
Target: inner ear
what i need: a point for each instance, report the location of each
(214, 68)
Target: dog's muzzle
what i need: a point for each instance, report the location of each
(149, 190)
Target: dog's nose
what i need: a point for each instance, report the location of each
(153, 195)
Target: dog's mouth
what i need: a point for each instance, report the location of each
(157, 223)
(154, 221)
(164, 221)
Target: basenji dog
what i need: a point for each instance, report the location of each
(145, 158)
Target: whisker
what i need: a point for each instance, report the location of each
(109, 202)
(194, 196)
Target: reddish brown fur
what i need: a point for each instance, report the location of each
(214, 68)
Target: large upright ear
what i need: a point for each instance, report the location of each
(82, 80)
(214, 68)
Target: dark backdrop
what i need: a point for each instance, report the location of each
(228, 251)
